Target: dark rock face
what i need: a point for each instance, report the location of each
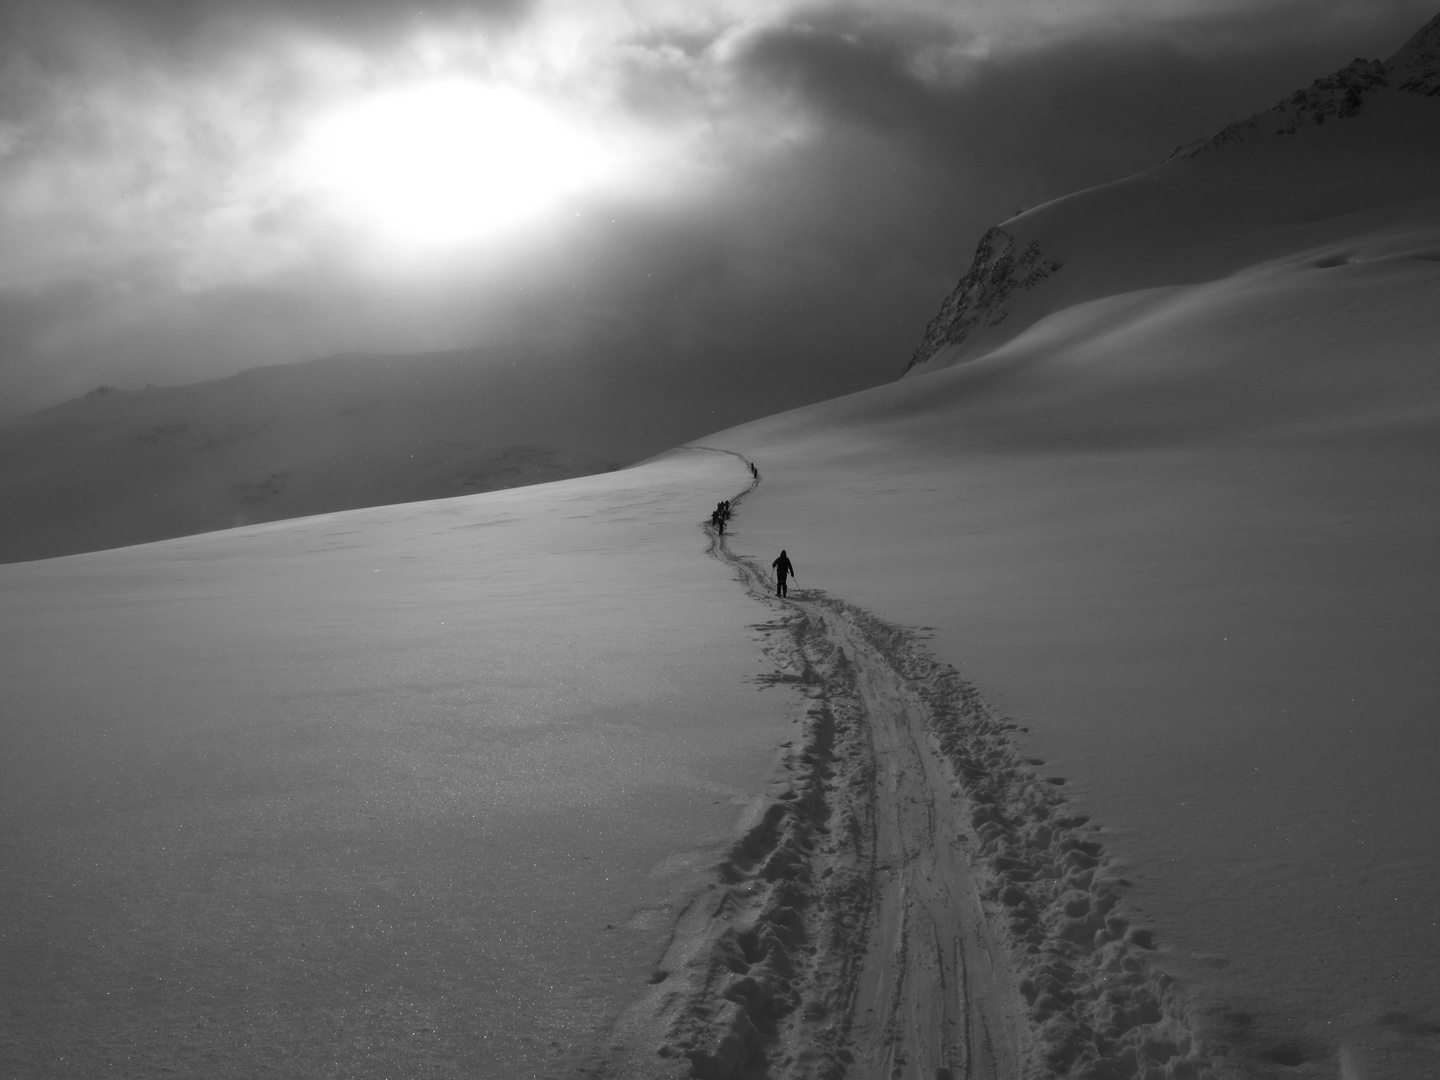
(1001, 267)
(1335, 97)
(1415, 69)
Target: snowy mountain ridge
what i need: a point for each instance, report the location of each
(1146, 229)
(121, 467)
(1338, 97)
(1415, 69)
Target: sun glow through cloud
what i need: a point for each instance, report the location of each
(452, 161)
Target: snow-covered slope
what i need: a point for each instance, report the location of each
(1186, 538)
(407, 791)
(1177, 515)
(1366, 137)
(116, 467)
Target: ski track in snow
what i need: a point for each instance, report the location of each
(912, 902)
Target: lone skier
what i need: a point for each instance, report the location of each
(782, 567)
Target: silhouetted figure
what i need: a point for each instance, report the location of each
(782, 567)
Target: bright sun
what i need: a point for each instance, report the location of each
(451, 161)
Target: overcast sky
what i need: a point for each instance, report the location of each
(702, 193)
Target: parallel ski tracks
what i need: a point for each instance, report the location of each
(844, 934)
(844, 937)
(929, 996)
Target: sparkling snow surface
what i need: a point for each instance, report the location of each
(1188, 537)
(406, 791)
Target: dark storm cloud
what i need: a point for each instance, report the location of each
(1078, 108)
(836, 166)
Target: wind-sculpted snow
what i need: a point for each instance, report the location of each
(1001, 267)
(914, 900)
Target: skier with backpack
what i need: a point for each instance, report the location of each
(783, 567)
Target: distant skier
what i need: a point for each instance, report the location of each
(782, 567)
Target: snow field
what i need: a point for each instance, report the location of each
(1185, 537)
(863, 926)
(404, 791)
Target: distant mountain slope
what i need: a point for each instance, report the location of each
(1365, 137)
(115, 468)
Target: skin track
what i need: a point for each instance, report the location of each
(911, 900)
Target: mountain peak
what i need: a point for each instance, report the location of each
(1416, 67)
(1147, 230)
(1334, 97)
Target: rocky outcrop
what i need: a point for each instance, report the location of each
(1415, 69)
(1001, 267)
(1335, 97)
